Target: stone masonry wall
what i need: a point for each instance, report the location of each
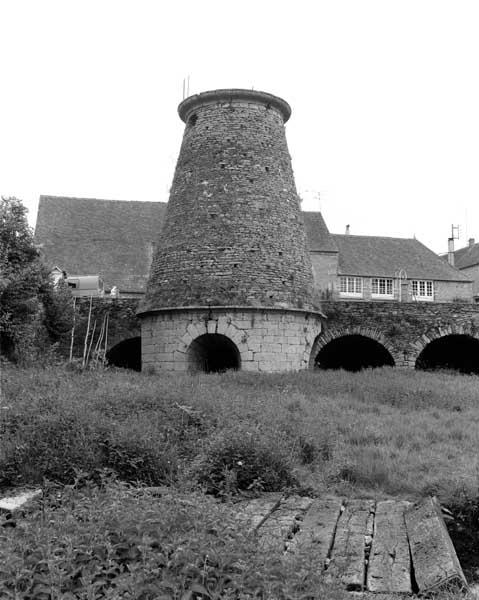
(268, 340)
(233, 231)
(403, 328)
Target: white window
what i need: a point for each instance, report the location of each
(422, 290)
(351, 286)
(381, 288)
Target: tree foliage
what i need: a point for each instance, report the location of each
(32, 313)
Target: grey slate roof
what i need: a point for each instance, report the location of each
(88, 236)
(370, 256)
(115, 238)
(317, 233)
(467, 257)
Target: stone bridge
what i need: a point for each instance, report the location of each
(407, 334)
(355, 334)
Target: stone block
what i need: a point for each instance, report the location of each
(250, 366)
(211, 326)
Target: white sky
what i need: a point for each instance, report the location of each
(385, 99)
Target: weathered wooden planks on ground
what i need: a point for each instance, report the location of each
(434, 557)
(254, 512)
(282, 522)
(316, 532)
(347, 560)
(389, 568)
(383, 548)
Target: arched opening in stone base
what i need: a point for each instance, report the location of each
(213, 353)
(457, 352)
(353, 353)
(126, 354)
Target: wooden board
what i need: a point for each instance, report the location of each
(254, 512)
(281, 522)
(316, 532)
(389, 568)
(347, 564)
(435, 562)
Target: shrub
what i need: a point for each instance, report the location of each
(53, 446)
(117, 542)
(237, 460)
(137, 452)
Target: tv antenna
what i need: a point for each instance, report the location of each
(454, 232)
(315, 195)
(186, 87)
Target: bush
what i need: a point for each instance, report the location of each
(116, 542)
(137, 452)
(54, 446)
(238, 460)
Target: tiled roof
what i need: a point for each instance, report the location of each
(317, 233)
(384, 256)
(467, 257)
(114, 238)
(87, 236)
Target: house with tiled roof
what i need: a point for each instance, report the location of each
(110, 238)
(356, 267)
(467, 261)
(115, 239)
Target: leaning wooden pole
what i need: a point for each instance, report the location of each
(91, 343)
(106, 337)
(73, 329)
(99, 341)
(85, 345)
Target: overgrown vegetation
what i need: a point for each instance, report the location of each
(33, 317)
(117, 542)
(383, 432)
(375, 433)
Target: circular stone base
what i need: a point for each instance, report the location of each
(214, 339)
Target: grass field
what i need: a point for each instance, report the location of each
(378, 433)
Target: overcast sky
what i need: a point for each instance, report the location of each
(385, 99)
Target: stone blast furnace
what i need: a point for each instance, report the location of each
(230, 285)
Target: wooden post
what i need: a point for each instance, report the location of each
(91, 342)
(73, 329)
(85, 345)
(99, 340)
(106, 336)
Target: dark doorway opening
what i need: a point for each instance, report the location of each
(126, 354)
(456, 352)
(353, 353)
(213, 353)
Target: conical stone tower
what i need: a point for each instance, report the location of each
(231, 281)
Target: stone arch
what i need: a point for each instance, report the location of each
(391, 356)
(223, 325)
(451, 346)
(213, 353)
(126, 353)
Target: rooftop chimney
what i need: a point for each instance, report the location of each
(450, 251)
(472, 241)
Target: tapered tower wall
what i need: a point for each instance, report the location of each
(231, 281)
(233, 231)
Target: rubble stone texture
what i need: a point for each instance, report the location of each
(233, 237)
(233, 231)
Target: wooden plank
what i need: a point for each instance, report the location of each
(434, 559)
(389, 568)
(252, 513)
(347, 564)
(316, 532)
(281, 522)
